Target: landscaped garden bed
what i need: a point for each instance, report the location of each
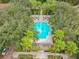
(17, 28)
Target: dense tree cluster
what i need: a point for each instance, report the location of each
(15, 21)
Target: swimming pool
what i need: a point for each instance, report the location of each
(42, 29)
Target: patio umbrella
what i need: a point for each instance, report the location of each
(42, 29)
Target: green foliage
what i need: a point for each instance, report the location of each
(22, 56)
(36, 48)
(26, 41)
(78, 54)
(59, 45)
(63, 18)
(4, 1)
(58, 41)
(73, 2)
(15, 23)
(59, 34)
(71, 48)
(66, 17)
(54, 57)
(42, 1)
(15, 20)
(35, 3)
(25, 44)
(45, 6)
(25, 56)
(38, 3)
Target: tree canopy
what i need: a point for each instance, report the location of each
(14, 21)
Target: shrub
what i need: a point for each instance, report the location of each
(71, 48)
(59, 34)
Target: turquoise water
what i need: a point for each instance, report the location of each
(42, 29)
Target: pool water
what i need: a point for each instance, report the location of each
(42, 29)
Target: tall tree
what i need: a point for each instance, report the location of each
(15, 20)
